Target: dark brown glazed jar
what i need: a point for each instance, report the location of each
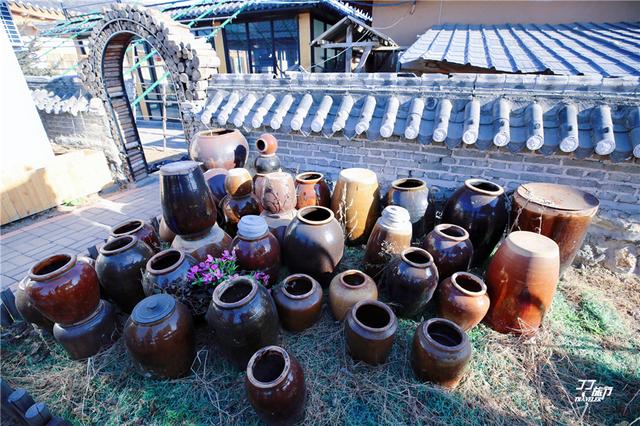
(369, 329)
(450, 247)
(267, 144)
(299, 302)
(140, 229)
(314, 243)
(413, 195)
(240, 201)
(440, 353)
(312, 190)
(215, 180)
(411, 281)
(275, 386)
(463, 299)
(160, 338)
(120, 265)
(480, 207)
(87, 337)
(219, 148)
(266, 164)
(243, 317)
(279, 193)
(256, 248)
(347, 289)
(64, 288)
(188, 206)
(27, 310)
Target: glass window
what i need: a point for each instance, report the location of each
(237, 48)
(325, 60)
(285, 37)
(261, 42)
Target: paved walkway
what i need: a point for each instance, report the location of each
(75, 231)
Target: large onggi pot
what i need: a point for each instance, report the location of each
(413, 195)
(219, 148)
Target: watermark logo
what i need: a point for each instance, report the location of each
(590, 392)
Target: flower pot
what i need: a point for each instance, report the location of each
(256, 248)
(479, 207)
(165, 234)
(215, 179)
(413, 195)
(369, 329)
(559, 212)
(27, 310)
(349, 288)
(138, 228)
(299, 302)
(64, 288)
(463, 299)
(213, 243)
(278, 223)
(265, 164)
(440, 352)
(312, 190)
(356, 203)
(243, 318)
(187, 203)
(278, 194)
(119, 266)
(219, 148)
(521, 280)
(314, 244)
(275, 386)
(86, 338)
(450, 247)
(160, 337)
(411, 281)
(390, 236)
(267, 144)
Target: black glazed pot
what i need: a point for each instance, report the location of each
(267, 164)
(413, 195)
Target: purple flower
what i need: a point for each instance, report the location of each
(194, 269)
(207, 278)
(210, 258)
(202, 265)
(218, 273)
(214, 266)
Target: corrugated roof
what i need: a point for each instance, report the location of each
(610, 50)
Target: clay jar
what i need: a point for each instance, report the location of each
(279, 193)
(450, 247)
(119, 266)
(413, 195)
(64, 288)
(389, 237)
(219, 148)
(370, 328)
(267, 144)
(521, 280)
(411, 281)
(240, 200)
(27, 310)
(243, 318)
(215, 181)
(312, 190)
(213, 243)
(87, 337)
(347, 289)
(275, 386)
(299, 302)
(559, 212)
(463, 299)
(314, 244)
(479, 207)
(187, 203)
(166, 234)
(356, 203)
(160, 337)
(267, 161)
(257, 249)
(140, 229)
(440, 352)
(278, 223)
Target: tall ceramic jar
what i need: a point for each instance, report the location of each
(312, 190)
(521, 280)
(240, 200)
(140, 229)
(479, 207)
(413, 195)
(299, 302)
(440, 352)
(463, 299)
(560, 212)
(314, 244)
(213, 243)
(356, 203)
(27, 310)
(243, 318)
(160, 337)
(188, 207)
(369, 329)
(390, 236)
(450, 247)
(219, 148)
(120, 265)
(275, 386)
(278, 199)
(347, 289)
(256, 248)
(64, 288)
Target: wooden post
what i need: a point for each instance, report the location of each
(219, 48)
(304, 35)
(349, 52)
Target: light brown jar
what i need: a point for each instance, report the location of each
(463, 299)
(347, 289)
(391, 235)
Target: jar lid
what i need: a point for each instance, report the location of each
(153, 308)
(556, 196)
(179, 168)
(252, 226)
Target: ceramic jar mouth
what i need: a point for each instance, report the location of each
(309, 177)
(166, 261)
(235, 292)
(408, 184)
(268, 367)
(52, 266)
(451, 232)
(179, 168)
(266, 144)
(315, 215)
(417, 257)
(444, 334)
(468, 284)
(483, 186)
(127, 227)
(118, 245)
(215, 132)
(531, 245)
(373, 315)
(299, 286)
(353, 279)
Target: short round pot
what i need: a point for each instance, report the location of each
(266, 164)
(312, 190)
(463, 299)
(267, 144)
(299, 302)
(140, 229)
(257, 249)
(413, 195)
(349, 288)
(370, 328)
(219, 148)
(213, 243)
(450, 247)
(27, 310)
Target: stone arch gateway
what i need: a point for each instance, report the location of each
(190, 62)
